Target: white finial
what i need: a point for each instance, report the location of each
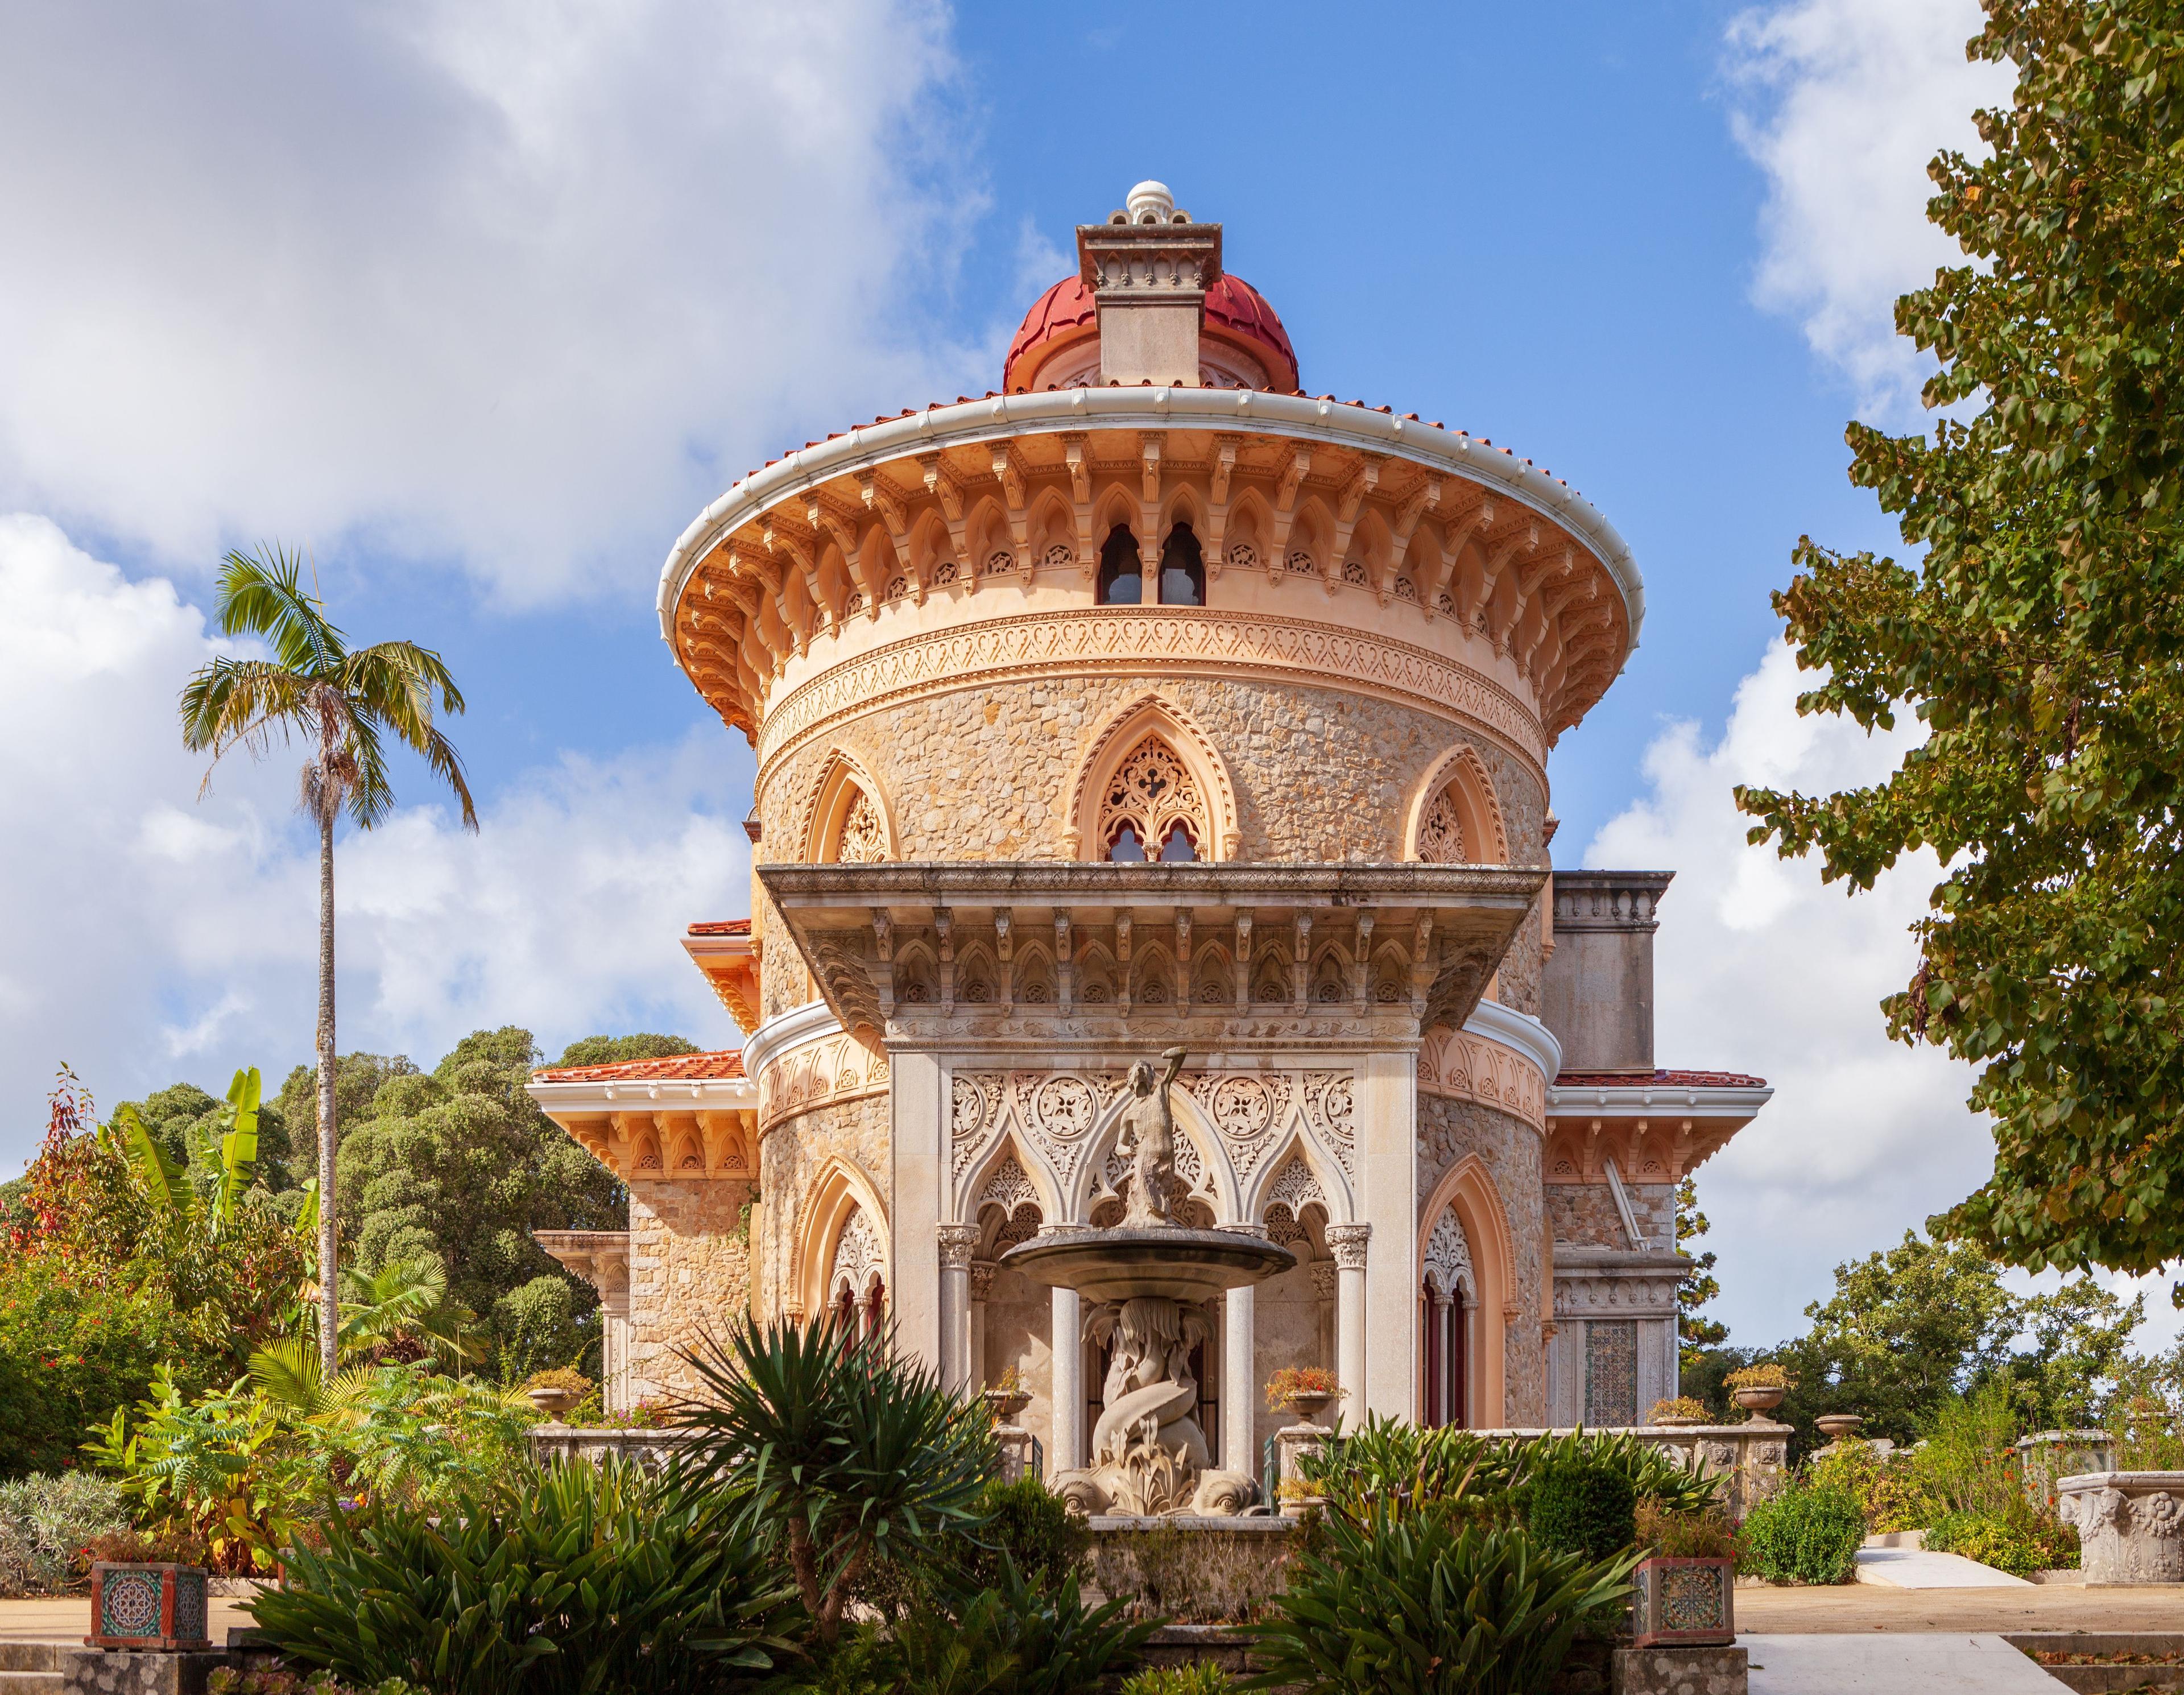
(1151, 202)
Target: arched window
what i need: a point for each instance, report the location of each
(1152, 807)
(1182, 569)
(1446, 1303)
(1121, 577)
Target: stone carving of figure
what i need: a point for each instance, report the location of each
(1147, 1140)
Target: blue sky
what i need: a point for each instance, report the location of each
(483, 301)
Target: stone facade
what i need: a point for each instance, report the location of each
(1093, 721)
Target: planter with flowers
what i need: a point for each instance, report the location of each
(1307, 1390)
(1684, 1592)
(1760, 1388)
(1679, 1413)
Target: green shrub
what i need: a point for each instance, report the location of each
(1014, 1640)
(1808, 1534)
(2019, 1544)
(1685, 1535)
(1026, 1527)
(1198, 1678)
(45, 1523)
(1589, 1507)
(1426, 1602)
(1889, 1489)
(580, 1579)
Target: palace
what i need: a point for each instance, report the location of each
(1148, 702)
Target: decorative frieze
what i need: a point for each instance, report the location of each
(819, 1074)
(1466, 1066)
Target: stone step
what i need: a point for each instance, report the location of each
(31, 1683)
(24, 1656)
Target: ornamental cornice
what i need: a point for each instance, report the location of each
(1355, 428)
(1163, 640)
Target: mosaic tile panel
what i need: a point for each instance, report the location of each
(1611, 1372)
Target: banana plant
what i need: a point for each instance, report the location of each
(167, 1181)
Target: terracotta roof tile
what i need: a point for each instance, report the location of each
(721, 927)
(1657, 1079)
(682, 1068)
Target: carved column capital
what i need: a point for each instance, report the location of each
(958, 1242)
(1346, 1242)
(982, 1278)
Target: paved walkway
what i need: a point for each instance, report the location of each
(1913, 1568)
(1862, 1608)
(1949, 1663)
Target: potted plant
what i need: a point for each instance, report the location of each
(554, 1392)
(142, 1603)
(1297, 1497)
(1760, 1388)
(1685, 1589)
(1307, 1391)
(1006, 1397)
(1680, 1411)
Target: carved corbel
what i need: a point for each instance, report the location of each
(1285, 494)
(1183, 960)
(1065, 969)
(1149, 445)
(941, 484)
(1009, 473)
(1005, 951)
(1122, 928)
(1422, 964)
(1361, 482)
(1243, 963)
(1076, 449)
(943, 928)
(1526, 539)
(883, 945)
(1225, 449)
(1454, 536)
(1361, 968)
(1300, 963)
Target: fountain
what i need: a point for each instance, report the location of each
(1145, 1276)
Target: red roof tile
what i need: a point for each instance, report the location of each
(682, 1068)
(1657, 1079)
(721, 927)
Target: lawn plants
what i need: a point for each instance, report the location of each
(1810, 1533)
(2020, 1543)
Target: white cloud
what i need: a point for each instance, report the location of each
(1842, 103)
(152, 935)
(523, 285)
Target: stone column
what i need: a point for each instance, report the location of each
(1442, 1359)
(919, 1099)
(1346, 1242)
(1066, 1386)
(1240, 1389)
(957, 1244)
(1386, 1108)
(1322, 1285)
(982, 1285)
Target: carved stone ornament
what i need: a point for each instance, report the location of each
(1330, 1099)
(1295, 1187)
(1146, 1140)
(856, 1257)
(1007, 1186)
(1346, 1242)
(1448, 1256)
(863, 840)
(1441, 835)
(958, 1242)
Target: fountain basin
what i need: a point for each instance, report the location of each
(1131, 1263)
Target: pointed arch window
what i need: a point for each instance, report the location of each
(1153, 807)
(1121, 577)
(1182, 569)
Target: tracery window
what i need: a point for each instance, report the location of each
(1441, 833)
(863, 840)
(1153, 807)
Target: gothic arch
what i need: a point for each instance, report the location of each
(842, 782)
(1462, 776)
(1290, 1146)
(1245, 536)
(839, 1190)
(1150, 715)
(971, 1198)
(1468, 1188)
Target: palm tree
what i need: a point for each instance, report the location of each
(341, 702)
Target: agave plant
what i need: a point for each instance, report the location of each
(1427, 1603)
(847, 1453)
(580, 1581)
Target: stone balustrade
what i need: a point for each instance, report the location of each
(651, 1449)
(2130, 1523)
(1751, 1458)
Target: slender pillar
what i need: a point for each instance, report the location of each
(919, 1096)
(957, 1244)
(1240, 1388)
(1346, 1242)
(982, 1285)
(1067, 1452)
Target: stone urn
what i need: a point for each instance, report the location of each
(1760, 1398)
(2130, 1523)
(1006, 1405)
(552, 1401)
(1310, 1408)
(1840, 1426)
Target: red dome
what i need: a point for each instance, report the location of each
(1236, 312)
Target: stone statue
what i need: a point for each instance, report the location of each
(1146, 1139)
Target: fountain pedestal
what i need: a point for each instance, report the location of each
(1149, 1455)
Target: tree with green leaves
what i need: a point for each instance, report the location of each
(2040, 641)
(345, 703)
(1695, 1331)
